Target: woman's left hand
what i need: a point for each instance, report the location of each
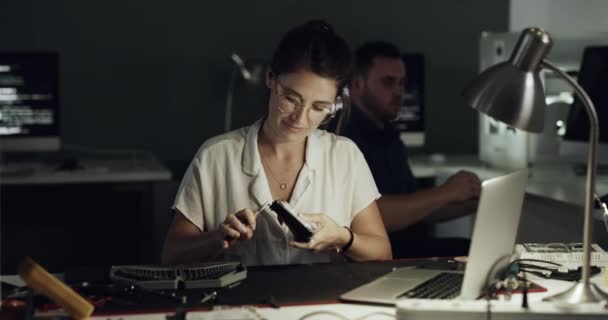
(328, 235)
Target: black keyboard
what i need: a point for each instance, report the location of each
(199, 275)
(445, 285)
(198, 271)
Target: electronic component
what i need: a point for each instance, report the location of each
(302, 230)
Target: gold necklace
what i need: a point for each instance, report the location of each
(282, 185)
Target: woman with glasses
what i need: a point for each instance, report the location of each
(283, 156)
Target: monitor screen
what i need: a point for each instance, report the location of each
(410, 119)
(593, 77)
(29, 102)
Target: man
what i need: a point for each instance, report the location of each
(376, 92)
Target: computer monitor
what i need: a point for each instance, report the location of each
(593, 77)
(29, 102)
(410, 119)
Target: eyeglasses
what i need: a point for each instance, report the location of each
(318, 114)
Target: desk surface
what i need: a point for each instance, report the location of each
(99, 170)
(555, 181)
(287, 285)
(299, 290)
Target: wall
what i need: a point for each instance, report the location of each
(564, 17)
(153, 75)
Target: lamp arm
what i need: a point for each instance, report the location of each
(591, 164)
(229, 97)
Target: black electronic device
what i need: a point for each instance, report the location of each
(200, 275)
(301, 229)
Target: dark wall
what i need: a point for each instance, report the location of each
(153, 74)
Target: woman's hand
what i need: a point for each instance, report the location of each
(328, 234)
(238, 226)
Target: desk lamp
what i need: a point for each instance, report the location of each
(253, 75)
(512, 92)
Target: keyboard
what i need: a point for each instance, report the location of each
(445, 285)
(143, 272)
(201, 275)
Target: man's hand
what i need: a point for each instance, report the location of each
(462, 186)
(238, 226)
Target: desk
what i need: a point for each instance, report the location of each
(551, 180)
(553, 207)
(301, 287)
(110, 210)
(315, 312)
(293, 287)
(304, 297)
(300, 290)
(91, 170)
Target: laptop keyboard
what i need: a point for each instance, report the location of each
(445, 285)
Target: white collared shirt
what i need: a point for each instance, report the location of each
(226, 175)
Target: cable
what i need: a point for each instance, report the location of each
(342, 317)
(539, 270)
(536, 260)
(524, 301)
(315, 313)
(491, 271)
(392, 316)
(487, 288)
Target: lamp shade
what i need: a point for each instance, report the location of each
(511, 91)
(251, 73)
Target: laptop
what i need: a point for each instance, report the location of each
(491, 247)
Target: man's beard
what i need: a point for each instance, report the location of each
(382, 112)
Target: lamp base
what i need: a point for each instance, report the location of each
(580, 293)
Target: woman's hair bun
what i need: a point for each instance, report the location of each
(319, 25)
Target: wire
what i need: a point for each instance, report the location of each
(491, 272)
(534, 268)
(488, 292)
(342, 317)
(392, 316)
(536, 260)
(524, 301)
(316, 313)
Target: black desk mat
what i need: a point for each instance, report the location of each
(265, 285)
(301, 284)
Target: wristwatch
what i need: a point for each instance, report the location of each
(349, 243)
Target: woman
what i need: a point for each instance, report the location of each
(283, 157)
